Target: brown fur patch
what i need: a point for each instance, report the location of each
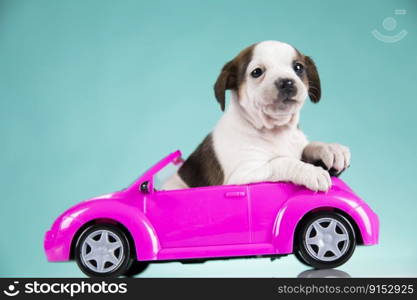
(314, 86)
(202, 167)
(232, 75)
(311, 78)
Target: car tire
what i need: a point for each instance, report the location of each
(301, 259)
(103, 250)
(136, 268)
(325, 240)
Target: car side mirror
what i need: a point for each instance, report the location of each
(144, 187)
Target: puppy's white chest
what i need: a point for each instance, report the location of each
(288, 144)
(239, 152)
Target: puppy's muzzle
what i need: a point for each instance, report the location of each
(286, 88)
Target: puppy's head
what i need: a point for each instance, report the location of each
(271, 80)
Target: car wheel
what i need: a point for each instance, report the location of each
(300, 259)
(103, 251)
(325, 240)
(136, 268)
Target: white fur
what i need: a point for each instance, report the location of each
(258, 96)
(247, 154)
(257, 138)
(174, 182)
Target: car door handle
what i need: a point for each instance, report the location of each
(235, 194)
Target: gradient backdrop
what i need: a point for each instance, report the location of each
(94, 92)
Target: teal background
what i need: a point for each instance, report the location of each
(94, 92)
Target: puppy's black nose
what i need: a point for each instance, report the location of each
(286, 86)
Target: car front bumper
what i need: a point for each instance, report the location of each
(368, 224)
(58, 240)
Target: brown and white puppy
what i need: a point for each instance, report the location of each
(257, 138)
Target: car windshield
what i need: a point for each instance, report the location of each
(164, 174)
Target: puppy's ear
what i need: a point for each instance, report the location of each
(232, 75)
(314, 88)
(226, 80)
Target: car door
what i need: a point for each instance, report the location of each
(194, 217)
(266, 199)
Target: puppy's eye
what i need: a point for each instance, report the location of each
(256, 73)
(298, 68)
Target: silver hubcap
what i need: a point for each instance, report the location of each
(102, 251)
(327, 239)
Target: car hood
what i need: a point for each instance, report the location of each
(74, 211)
(339, 183)
(339, 191)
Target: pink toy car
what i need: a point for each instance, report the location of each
(142, 223)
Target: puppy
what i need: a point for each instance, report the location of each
(258, 138)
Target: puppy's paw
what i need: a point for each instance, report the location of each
(316, 178)
(334, 156)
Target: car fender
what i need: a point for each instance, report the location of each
(295, 208)
(143, 234)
